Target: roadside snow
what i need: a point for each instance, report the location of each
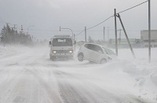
(131, 75)
(122, 77)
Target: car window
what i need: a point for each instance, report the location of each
(108, 51)
(89, 46)
(94, 47)
(98, 49)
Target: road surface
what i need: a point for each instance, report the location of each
(30, 77)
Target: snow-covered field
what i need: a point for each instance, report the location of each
(28, 76)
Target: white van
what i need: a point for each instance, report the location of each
(61, 46)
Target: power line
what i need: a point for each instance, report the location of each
(133, 7)
(95, 25)
(113, 15)
(99, 23)
(80, 33)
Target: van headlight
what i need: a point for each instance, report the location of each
(54, 52)
(70, 51)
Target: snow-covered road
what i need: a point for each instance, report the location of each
(28, 76)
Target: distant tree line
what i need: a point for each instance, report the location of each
(11, 36)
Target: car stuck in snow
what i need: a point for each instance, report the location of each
(95, 53)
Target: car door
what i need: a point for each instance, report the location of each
(89, 52)
(96, 53)
(86, 51)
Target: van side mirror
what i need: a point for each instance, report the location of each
(50, 43)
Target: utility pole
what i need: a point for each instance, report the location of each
(126, 35)
(74, 38)
(21, 29)
(104, 34)
(14, 27)
(108, 33)
(85, 34)
(116, 43)
(120, 35)
(149, 29)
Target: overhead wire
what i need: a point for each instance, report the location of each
(113, 16)
(99, 23)
(108, 17)
(96, 25)
(80, 33)
(133, 7)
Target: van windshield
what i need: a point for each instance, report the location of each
(62, 42)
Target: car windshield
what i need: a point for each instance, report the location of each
(108, 51)
(62, 42)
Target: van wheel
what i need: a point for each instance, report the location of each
(80, 57)
(103, 61)
(52, 58)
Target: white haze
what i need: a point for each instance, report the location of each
(27, 75)
(47, 15)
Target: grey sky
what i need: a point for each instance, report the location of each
(42, 18)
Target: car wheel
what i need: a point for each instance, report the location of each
(103, 61)
(80, 57)
(52, 58)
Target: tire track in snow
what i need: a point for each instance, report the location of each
(35, 84)
(7, 87)
(75, 90)
(50, 91)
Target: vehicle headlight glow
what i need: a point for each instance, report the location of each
(70, 51)
(54, 52)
